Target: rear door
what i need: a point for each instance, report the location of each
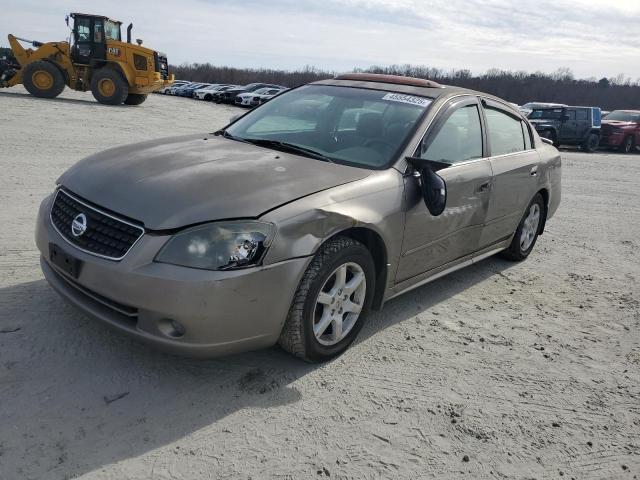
(429, 242)
(568, 126)
(515, 164)
(584, 122)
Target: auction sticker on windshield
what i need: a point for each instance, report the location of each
(411, 99)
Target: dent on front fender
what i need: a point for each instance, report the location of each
(373, 203)
(303, 234)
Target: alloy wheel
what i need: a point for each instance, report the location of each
(339, 303)
(530, 227)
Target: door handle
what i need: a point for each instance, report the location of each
(484, 187)
(534, 171)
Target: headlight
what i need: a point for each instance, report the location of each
(219, 246)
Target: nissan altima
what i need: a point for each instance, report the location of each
(293, 222)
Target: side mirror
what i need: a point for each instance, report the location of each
(434, 188)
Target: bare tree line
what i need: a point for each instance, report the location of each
(518, 87)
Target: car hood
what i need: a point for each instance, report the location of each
(180, 181)
(618, 123)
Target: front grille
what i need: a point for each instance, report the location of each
(161, 64)
(105, 235)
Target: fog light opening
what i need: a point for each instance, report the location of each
(172, 328)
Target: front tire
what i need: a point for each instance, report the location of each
(43, 79)
(331, 303)
(627, 145)
(135, 99)
(109, 87)
(527, 232)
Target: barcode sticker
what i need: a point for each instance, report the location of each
(411, 99)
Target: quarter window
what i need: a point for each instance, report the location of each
(459, 139)
(582, 115)
(505, 132)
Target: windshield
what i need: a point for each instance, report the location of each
(623, 116)
(354, 126)
(554, 113)
(112, 30)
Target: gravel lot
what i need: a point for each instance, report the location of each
(501, 370)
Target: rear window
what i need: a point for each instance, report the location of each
(546, 113)
(505, 132)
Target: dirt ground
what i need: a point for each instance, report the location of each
(501, 370)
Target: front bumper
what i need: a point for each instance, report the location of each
(612, 140)
(145, 85)
(243, 101)
(221, 312)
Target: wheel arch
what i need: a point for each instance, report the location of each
(545, 197)
(376, 246)
(128, 77)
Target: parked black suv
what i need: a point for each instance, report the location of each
(229, 96)
(569, 125)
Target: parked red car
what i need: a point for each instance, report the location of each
(621, 130)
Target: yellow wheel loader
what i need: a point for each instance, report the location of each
(95, 58)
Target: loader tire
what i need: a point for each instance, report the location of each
(109, 87)
(43, 79)
(135, 99)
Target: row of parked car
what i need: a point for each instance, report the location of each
(586, 127)
(250, 95)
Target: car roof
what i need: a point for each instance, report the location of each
(408, 85)
(78, 14)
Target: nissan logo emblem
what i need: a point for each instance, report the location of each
(79, 225)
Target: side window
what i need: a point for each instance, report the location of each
(97, 31)
(459, 139)
(571, 114)
(83, 29)
(505, 132)
(527, 136)
(582, 115)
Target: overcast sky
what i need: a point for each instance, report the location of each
(594, 38)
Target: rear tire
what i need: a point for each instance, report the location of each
(590, 145)
(527, 232)
(108, 87)
(313, 333)
(43, 79)
(135, 99)
(627, 145)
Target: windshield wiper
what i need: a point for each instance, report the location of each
(226, 134)
(289, 147)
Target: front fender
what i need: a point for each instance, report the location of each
(373, 203)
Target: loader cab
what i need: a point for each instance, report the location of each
(90, 34)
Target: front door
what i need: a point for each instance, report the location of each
(514, 163)
(89, 41)
(429, 242)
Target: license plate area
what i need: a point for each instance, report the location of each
(65, 262)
